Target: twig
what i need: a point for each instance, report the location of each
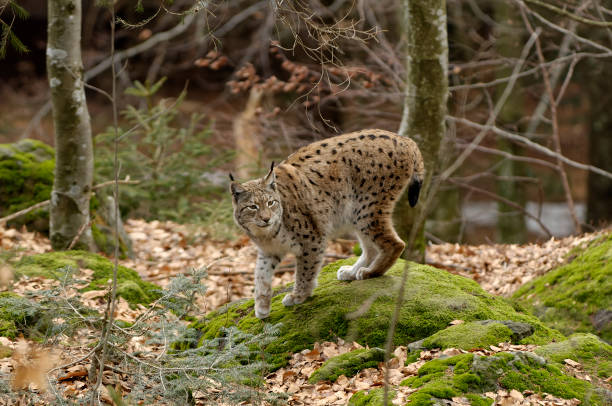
(503, 200)
(533, 145)
(78, 234)
(20, 213)
(555, 126)
(498, 107)
(91, 73)
(569, 14)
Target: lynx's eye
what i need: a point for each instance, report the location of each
(271, 203)
(253, 207)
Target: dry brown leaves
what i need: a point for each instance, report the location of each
(502, 268)
(166, 249)
(31, 364)
(293, 378)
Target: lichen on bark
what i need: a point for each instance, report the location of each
(426, 92)
(69, 208)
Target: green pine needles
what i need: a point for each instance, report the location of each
(7, 36)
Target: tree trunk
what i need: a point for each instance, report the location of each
(426, 92)
(69, 209)
(511, 226)
(599, 203)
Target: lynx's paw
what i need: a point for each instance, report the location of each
(291, 299)
(262, 314)
(347, 273)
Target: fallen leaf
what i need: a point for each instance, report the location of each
(571, 363)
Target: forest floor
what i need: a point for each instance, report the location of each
(165, 249)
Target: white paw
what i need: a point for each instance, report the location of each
(345, 273)
(290, 299)
(262, 314)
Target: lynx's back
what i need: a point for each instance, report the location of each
(348, 183)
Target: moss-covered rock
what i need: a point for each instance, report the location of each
(576, 297)
(587, 349)
(348, 364)
(19, 315)
(26, 176)
(467, 375)
(478, 334)
(129, 284)
(374, 397)
(432, 299)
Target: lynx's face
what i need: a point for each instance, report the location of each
(257, 207)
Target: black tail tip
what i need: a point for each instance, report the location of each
(414, 188)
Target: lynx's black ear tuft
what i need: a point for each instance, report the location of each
(270, 180)
(414, 188)
(231, 177)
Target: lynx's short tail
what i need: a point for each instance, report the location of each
(418, 175)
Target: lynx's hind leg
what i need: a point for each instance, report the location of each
(368, 253)
(388, 246)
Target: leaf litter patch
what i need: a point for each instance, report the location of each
(165, 249)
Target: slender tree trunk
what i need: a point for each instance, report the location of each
(69, 209)
(423, 119)
(511, 226)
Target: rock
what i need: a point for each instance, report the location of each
(576, 297)
(432, 299)
(590, 351)
(348, 364)
(129, 284)
(477, 334)
(471, 376)
(26, 176)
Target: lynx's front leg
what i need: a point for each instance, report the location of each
(264, 269)
(306, 271)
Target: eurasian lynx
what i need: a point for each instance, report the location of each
(341, 184)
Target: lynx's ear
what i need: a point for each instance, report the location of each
(270, 180)
(236, 189)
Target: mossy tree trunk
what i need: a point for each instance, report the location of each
(69, 209)
(511, 226)
(426, 92)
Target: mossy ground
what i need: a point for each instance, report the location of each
(129, 284)
(589, 350)
(469, 335)
(432, 298)
(19, 315)
(470, 376)
(573, 297)
(348, 364)
(375, 397)
(26, 176)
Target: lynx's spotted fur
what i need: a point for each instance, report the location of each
(342, 184)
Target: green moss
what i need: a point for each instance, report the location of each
(469, 376)
(19, 315)
(469, 335)
(26, 176)
(129, 284)
(432, 299)
(587, 349)
(375, 397)
(476, 400)
(348, 364)
(576, 297)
